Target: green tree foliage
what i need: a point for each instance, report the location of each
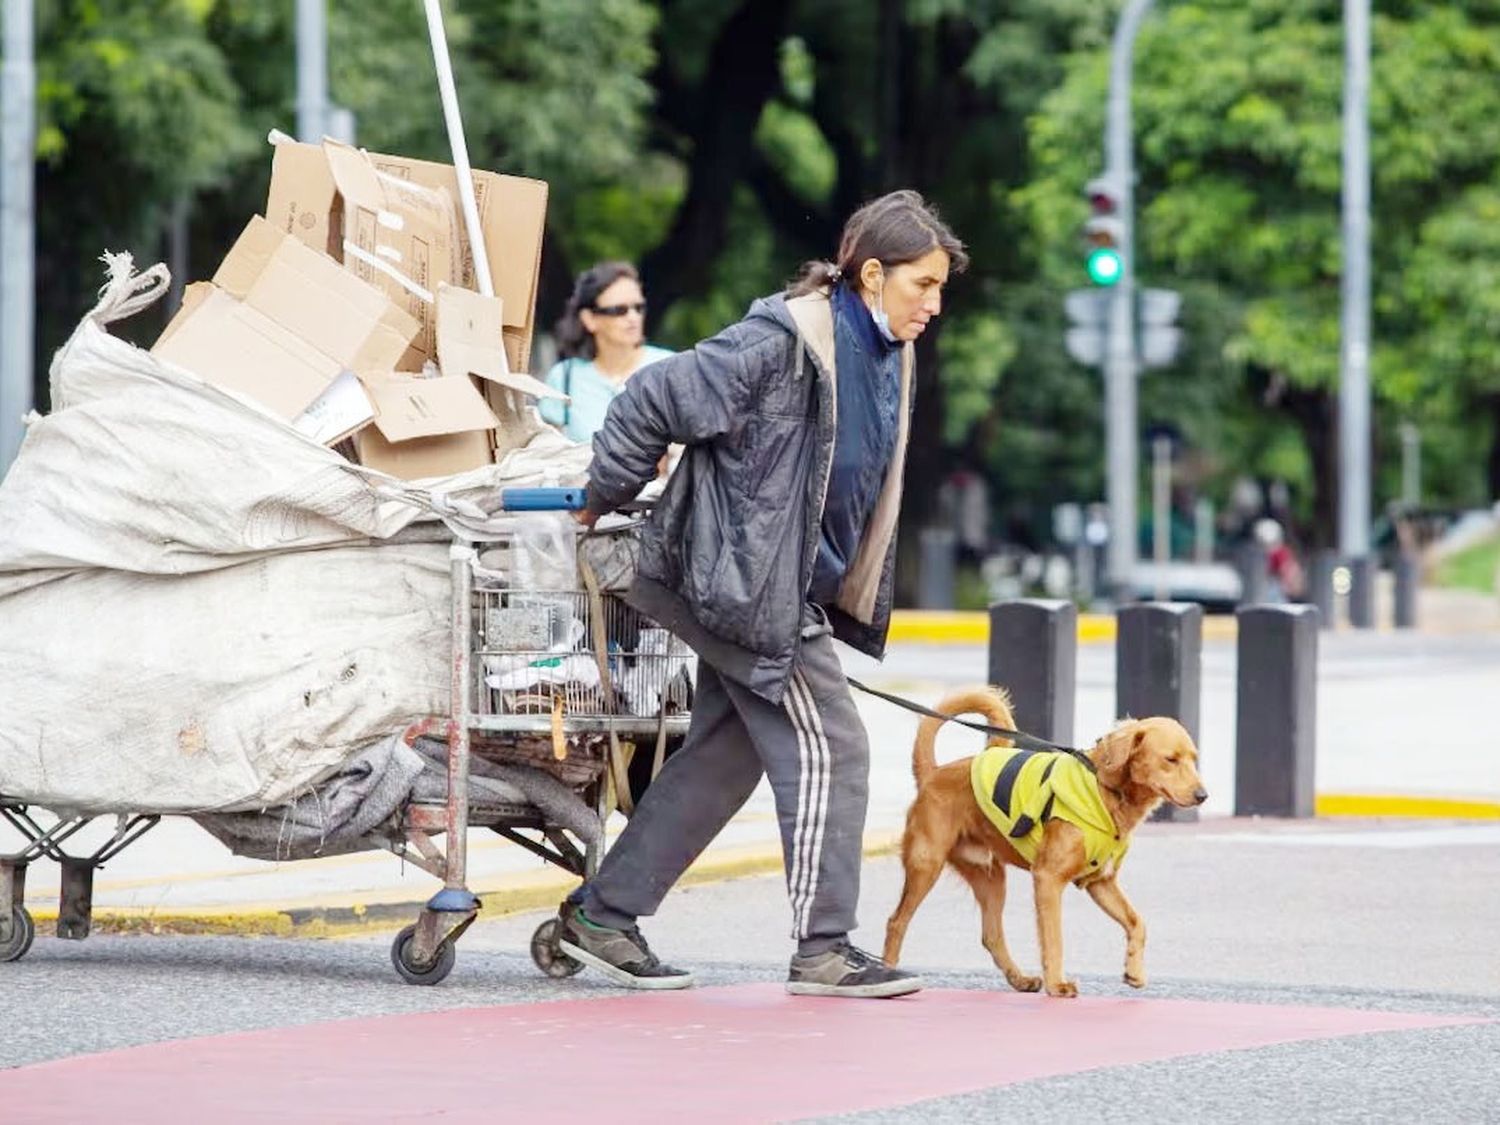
(1238, 144)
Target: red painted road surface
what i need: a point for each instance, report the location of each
(743, 1053)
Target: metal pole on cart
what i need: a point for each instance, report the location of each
(455, 897)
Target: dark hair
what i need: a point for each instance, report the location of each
(573, 339)
(896, 228)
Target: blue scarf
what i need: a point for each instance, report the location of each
(869, 401)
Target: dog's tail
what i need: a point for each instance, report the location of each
(991, 702)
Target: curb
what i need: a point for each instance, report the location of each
(536, 892)
(972, 627)
(1403, 806)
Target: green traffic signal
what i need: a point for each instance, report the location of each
(1105, 265)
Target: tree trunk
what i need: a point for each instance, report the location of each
(742, 74)
(1492, 467)
(1316, 415)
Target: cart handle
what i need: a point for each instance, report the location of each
(542, 499)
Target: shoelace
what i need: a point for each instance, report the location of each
(857, 958)
(648, 959)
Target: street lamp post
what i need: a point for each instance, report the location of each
(312, 70)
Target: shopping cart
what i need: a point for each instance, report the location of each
(573, 682)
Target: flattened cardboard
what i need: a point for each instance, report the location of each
(512, 215)
(470, 342)
(311, 296)
(425, 427)
(398, 236)
(226, 342)
(420, 408)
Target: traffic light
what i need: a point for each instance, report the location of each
(1104, 233)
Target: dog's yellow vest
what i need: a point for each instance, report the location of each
(1020, 790)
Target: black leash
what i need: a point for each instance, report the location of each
(1020, 738)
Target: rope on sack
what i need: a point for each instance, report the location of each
(125, 292)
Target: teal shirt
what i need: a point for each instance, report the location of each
(591, 394)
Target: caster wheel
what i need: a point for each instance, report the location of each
(414, 973)
(16, 938)
(547, 956)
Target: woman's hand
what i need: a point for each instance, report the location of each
(585, 517)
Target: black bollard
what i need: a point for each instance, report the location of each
(1276, 710)
(938, 578)
(1158, 670)
(1034, 656)
(1408, 578)
(1363, 572)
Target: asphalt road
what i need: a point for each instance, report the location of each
(1261, 918)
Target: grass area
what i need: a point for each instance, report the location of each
(1473, 568)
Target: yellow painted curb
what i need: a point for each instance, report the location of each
(1396, 805)
(527, 891)
(972, 627)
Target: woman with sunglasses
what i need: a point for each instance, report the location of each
(602, 340)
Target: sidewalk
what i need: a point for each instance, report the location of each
(1403, 730)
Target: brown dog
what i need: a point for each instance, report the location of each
(1139, 764)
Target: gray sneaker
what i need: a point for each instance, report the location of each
(621, 955)
(847, 971)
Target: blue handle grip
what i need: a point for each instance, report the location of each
(542, 499)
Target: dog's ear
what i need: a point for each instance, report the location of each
(1113, 753)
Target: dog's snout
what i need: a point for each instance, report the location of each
(1200, 794)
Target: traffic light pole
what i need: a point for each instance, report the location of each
(1121, 362)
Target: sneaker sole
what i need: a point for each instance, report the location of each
(857, 991)
(620, 976)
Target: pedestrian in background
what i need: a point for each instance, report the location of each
(776, 533)
(602, 340)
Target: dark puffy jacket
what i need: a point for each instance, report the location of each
(727, 555)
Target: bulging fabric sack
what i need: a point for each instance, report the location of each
(199, 608)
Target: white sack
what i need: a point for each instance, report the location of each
(191, 615)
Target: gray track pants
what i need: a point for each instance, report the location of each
(814, 749)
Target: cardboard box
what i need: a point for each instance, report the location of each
(425, 427)
(304, 201)
(399, 237)
(280, 323)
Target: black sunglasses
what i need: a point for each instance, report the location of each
(621, 310)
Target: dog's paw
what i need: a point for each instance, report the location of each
(1063, 990)
(1023, 983)
(1137, 979)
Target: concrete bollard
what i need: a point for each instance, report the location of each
(1408, 578)
(937, 581)
(1034, 656)
(1159, 670)
(1362, 574)
(1276, 710)
(1320, 585)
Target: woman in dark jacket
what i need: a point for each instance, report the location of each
(776, 533)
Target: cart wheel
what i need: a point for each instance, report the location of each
(413, 973)
(547, 956)
(18, 939)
